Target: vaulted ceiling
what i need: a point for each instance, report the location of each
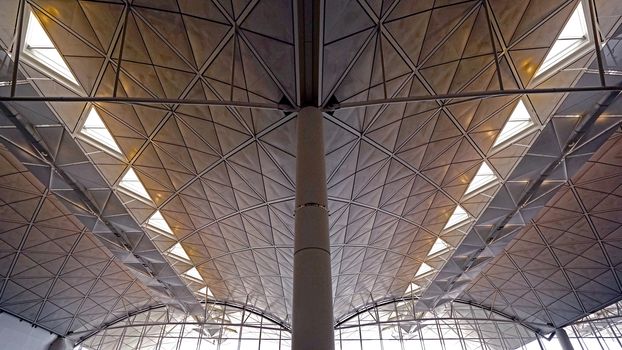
(223, 176)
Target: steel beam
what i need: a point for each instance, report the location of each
(470, 95)
(310, 44)
(148, 101)
(331, 108)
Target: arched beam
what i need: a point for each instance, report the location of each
(240, 306)
(385, 302)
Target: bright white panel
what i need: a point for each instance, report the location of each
(423, 269)
(519, 121)
(179, 252)
(193, 273)
(132, 183)
(95, 129)
(458, 216)
(483, 177)
(39, 46)
(572, 38)
(157, 221)
(439, 246)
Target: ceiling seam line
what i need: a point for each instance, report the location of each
(599, 240)
(228, 155)
(170, 113)
(530, 285)
(348, 68)
(60, 272)
(239, 212)
(390, 154)
(31, 224)
(561, 267)
(31, 136)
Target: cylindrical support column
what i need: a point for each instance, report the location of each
(562, 338)
(61, 343)
(312, 323)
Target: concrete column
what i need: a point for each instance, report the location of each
(562, 338)
(61, 343)
(312, 324)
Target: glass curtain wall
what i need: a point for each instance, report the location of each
(225, 328)
(396, 325)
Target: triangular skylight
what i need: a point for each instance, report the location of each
(572, 37)
(483, 177)
(459, 215)
(206, 290)
(131, 182)
(179, 252)
(438, 246)
(423, 269)
(519, 121)
(413, 287)
(95, 128)
(38, 45)
(157, 221)
(194, 274)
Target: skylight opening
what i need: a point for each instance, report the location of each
(439, 246)
(519, 121)
(573, 37)
(39, 46)
(457, 217)
(177, 251)
(483, 177)
(95, 129)
(423, 270)
(412, 288)
(206, 291)
(194, 274)
(132, 183)
(157, 221)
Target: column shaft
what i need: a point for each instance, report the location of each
(312, 324)
(562, 338)
(61, 343)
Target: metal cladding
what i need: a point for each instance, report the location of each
(414, 95)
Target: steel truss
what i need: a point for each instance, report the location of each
(308, 57)
(289, 106)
